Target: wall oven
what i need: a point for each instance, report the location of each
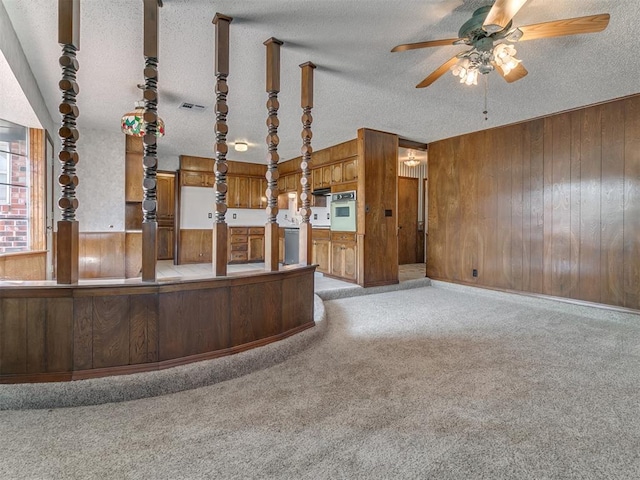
(343, 212)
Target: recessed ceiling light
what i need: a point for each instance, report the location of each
(240, 147)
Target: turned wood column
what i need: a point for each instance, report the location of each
(306, 102)
(67, 236)
(273, 88)
(150, 158)
(221, 70)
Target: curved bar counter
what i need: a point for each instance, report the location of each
(51, 332)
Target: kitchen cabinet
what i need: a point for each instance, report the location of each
(238, 194)
(256, 244)
(344, 255)
(281, 245)
(321, 248)
(197, 179)
(165, 242)
(195, 245)
(246, 244)
(334, 174)
(350, 170)
(257, 189)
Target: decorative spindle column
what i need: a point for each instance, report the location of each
(273, 87)
(306, 102)
(221, 70)
(150, 159)
(67, 236)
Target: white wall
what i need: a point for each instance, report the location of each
(15, 58)
(198, 202)
(100, 190)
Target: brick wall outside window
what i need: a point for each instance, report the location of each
(14, 215)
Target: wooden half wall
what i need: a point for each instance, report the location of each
(61, 333)
(550, 206)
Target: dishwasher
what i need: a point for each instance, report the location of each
(291, 245)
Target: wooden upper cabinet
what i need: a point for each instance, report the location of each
(243, 192)
(133, 177)
(350, 170)
(209, 179)
(316, 179)
(292, 182)
(336, 173)
(326, 176)
(231, 191)
(257, 189)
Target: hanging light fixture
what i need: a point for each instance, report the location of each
(412, 161)
(504, 56)
(482, 61)
(133, 123)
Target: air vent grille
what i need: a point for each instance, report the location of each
(192, 107)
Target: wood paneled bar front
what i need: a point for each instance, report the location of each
(52, 332)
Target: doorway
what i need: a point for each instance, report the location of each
(408, 220)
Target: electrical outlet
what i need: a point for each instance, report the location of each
(327, 216)
(210, 215)
(315, 216)
(474, 272)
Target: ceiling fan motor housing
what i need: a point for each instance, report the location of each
(472, 28)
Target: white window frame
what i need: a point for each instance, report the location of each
(6, 172)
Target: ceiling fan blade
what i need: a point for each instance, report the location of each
(429, 43)
(501, 14)
(515, 74)
(441, 70)
(568, 26)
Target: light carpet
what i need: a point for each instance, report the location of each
(439, 382)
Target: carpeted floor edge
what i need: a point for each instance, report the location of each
(357, 290)
(123, 388)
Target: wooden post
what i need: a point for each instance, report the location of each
(273, 87)
(150, 159)
(67, 237)
(306, 102)
(221, 70)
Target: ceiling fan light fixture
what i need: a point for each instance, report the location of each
(504, 56)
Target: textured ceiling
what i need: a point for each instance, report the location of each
(358, 82)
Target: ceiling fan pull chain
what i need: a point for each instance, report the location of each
(486, 88)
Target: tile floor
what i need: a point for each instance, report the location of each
(167, 270)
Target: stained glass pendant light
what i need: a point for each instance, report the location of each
(133, 122)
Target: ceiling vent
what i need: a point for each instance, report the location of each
(192, 107)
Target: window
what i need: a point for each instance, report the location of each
(15, 176)
(4, 178)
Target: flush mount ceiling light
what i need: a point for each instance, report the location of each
(411, 161)
(241, 147)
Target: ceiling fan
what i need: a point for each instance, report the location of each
(490, 34)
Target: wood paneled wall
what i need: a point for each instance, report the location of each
(551, 206)
(23, 266)
(377, 204)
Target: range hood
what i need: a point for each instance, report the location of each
(322, 192)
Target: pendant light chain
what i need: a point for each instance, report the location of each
(486, 89)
